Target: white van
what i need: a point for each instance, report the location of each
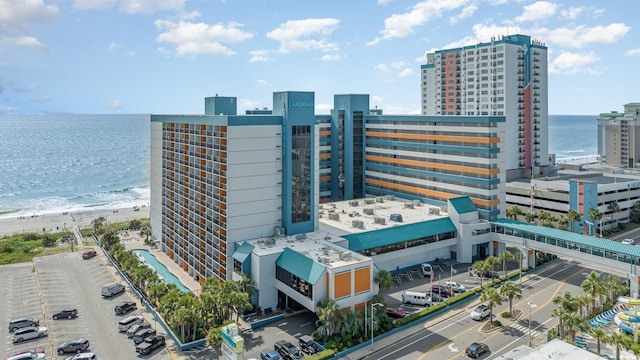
(125, 324)
(426, 269)
(416, 298)
(112, 289)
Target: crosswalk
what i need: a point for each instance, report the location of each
(524, 329)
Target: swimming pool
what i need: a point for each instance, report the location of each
(161, 269)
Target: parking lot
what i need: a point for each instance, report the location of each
(67, 281)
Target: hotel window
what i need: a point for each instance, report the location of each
(300, 173)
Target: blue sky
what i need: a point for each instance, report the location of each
(165, 56)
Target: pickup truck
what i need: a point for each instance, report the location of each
(149, 344)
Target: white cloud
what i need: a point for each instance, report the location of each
(568, 63)
(572, 12)
(405, 72)
(305, 35)
(260, 56)
(247, 104)
(383, 68)
(633, 52)
(43, 99)
(323, 108)
(113, 46)
(93, 4)
(149, 6)
(385, 2)
(483, 33)
(113, 104)
(17, 16)
(580, 36)
(17, 87)
(402, 25)
(8, 110)
(331, 57)
(199, 38)
(467, 12)
(537, 11)
(399, 68)
(261, 83)
(498, 2)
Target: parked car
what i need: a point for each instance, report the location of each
(455, 286)
(89, 254)
(308, 345)
(436, 298)
(28, 333)
(126, 323)
(270, 355)
(426, 269)
(628, 241)
(110, 290)
(22, 322)
(491, 275)
(476, 349)
(125, 307)
(83, 356)
(26, 356)
(394, 313)
(135, 328)
(441, 290)
(480, 312)
(73, 346)
(287, 350)
(65, 314)
(31, 351)
(149, 344)
(140, 335)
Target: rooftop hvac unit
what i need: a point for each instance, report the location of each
(379, 199)
(396, 217)
(379, 220)
(417, 203)
(278, 231)
(270, 242)
(301, 236)
(408, 205)
(325, 250)
(369, 201)
(443, 209)
(368, 211)
(389, 197)
(353, 202)
(345, 255)
(333, 205)
(323, 259)
(358, 224)
(434, 211)
(334, 216)
(354, 214)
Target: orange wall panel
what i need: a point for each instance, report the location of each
(362, 279)
(342, 285)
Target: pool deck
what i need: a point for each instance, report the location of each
(134, 242)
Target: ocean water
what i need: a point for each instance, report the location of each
(57, 163)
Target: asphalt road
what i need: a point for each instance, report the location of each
(447, 336)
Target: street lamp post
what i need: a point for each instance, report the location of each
(601, 220)
(531, 305)
(373, 305)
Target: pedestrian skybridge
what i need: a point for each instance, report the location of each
(602, 253)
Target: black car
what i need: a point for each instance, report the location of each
(287, 350)
(65, 314)
(149, 344)
(308, 345)
(73, 346)
(140, 335)
(125, 307)
(476, 349)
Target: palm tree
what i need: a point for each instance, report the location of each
(383, 279)
(530, 217)
(513, 212)
(493, 262)
(620, 341)
(614, 287)
(214, 339)
(146, 232)
(545, 217)
(573, 216)
(574, 322)
(482, 267)
(592, 286)
(98, 223)
(326, 311)
(560, 313)
(599, 335)
(505, 257)
(596, 215)
(566, 301)
(493, 299)
(510, 290)
(563, 221)
(614, 208)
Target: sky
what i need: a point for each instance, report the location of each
(166, 56)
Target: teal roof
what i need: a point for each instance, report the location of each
(463, 204)
(397, 234)
(570, 236)
(300, 266)
(243, 252)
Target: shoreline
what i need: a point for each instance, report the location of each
(52, 223)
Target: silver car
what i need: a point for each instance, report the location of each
(28, 333)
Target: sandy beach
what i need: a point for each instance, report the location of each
(59, 222)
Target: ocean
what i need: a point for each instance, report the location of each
(69, 163)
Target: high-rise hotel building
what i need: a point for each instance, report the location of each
(505, 77)
(619, 137)
(221, 178)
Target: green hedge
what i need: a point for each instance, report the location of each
(325, 354)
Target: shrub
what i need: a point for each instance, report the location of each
(48, 241)
(30, 237)
(325, 354)
(505, 315)
(496, 323)
(6, 248)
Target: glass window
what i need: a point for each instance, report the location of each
(300, 174)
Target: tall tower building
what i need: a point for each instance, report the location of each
(504, 77)
(618, 137)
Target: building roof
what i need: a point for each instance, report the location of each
(592, 241)
(463, 204)
(300, 265)
(397, 234)
(558, 350)
(243, 252)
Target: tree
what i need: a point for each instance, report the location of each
(383, 279)
(574, 322)
(545, 218)
(596, 215)
(592, 286)
(482, 267)
(214, 339)
(109, 239)
(493, 262)
(47, 241)
(560, 313)
(505, 257)
(573, 216)
(563, 221)
(513, 212)
(599, 336)
(620, 341)
(134, 224)
(530, 217)
(511, 291)
(566, 301)
(97, 223)
(614, 208)
(327, 310)
(493, 299)
(634, 214)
